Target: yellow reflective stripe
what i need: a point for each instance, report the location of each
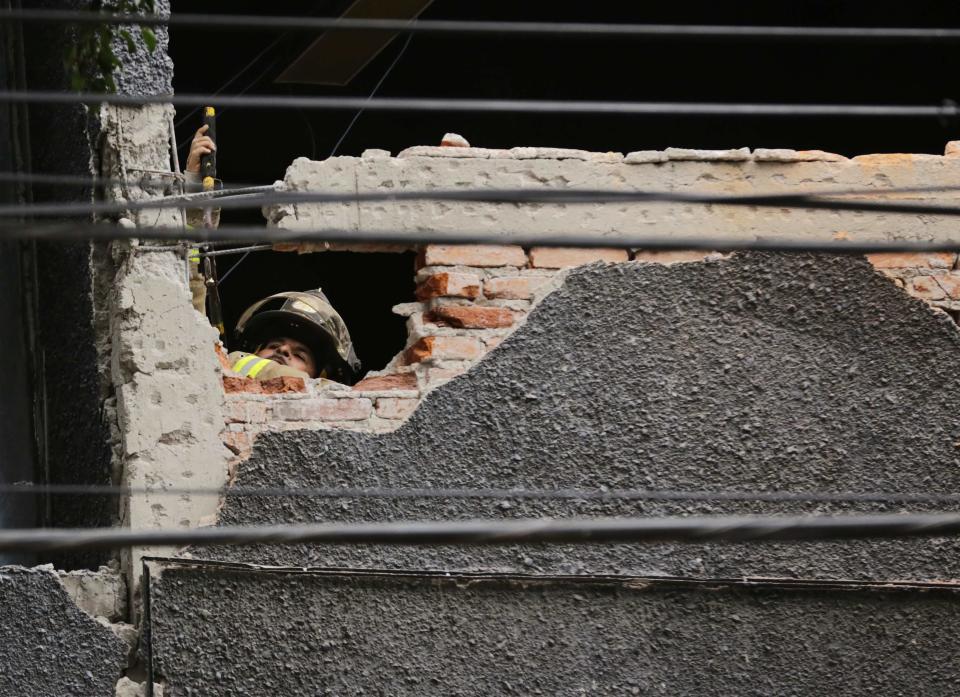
(261, 364)
(195, 255)
(242, 363)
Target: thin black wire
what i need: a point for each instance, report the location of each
(268, 195)
(26, 489)
(946, 110)
(458, 28)
(373, 93)
(502, 532)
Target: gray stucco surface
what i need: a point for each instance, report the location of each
(48, 646)
(254, 633)
(761, 372)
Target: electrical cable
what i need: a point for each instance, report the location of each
(501, 532)
(373, 93)
(270, 195)
(458, 28)
(25, 489)
(946, 110)
(70, 231)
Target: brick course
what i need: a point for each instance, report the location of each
(473, 255)
(566, 257)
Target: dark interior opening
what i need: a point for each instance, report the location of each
(363, 287)
(257, 145)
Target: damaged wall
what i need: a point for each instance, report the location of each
(287, 634)
(48, 646)
(758, 373)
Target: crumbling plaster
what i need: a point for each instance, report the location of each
(675, 170)
(163, 368)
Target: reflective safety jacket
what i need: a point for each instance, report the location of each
(250, 365)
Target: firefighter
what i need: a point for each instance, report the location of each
(297, 334)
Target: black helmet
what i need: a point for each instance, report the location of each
(308, 317)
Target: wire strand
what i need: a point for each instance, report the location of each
(946, 110)
(502, 532)
(268, 195)
(596, 30)
(26, 489)
(69, 231)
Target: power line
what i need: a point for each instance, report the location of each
(267, 195)
(945, 110)
(484, 493)
(501, 532)
(70, 231)
(454, 27)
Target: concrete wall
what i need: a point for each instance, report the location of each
(288, 633)
(48, 646)
(677, 170)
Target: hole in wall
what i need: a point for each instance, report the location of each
(362, 286)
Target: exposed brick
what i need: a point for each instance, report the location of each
(456, 285)
(471, 316)
(513, 287)
(347, 409)
(926, 287)
(435, 375)
(241, 411)
(394, 408)
(444, 347)
(233, 384)
(222, 357)
(237, 441)
(472, 255)
(564, 257)
(940, 260)
(393, 381)
(283, 384)
(670, 257)
(950, 284)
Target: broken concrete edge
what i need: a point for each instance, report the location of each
(98, 595)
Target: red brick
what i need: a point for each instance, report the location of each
(348, 409)
(222, 357)
(564, 257)
(471, 316)
(283, 384)
(472, 255)
(237, 441)
(394, 408)
(435, 375)
(242, 411)
(232, 384)
(456, 285)
(444, 347)
(941, 260)
(393, 381)
(950, 284)
(513, 287)
(670, 257)
(926, 287)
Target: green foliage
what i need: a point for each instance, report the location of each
(90, 59)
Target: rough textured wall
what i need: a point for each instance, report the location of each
(50, 647)
(287, 634)
(72, 435)
(169, 400)
(675, 169)
(761, 372)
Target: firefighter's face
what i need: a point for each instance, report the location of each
(290, 352)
